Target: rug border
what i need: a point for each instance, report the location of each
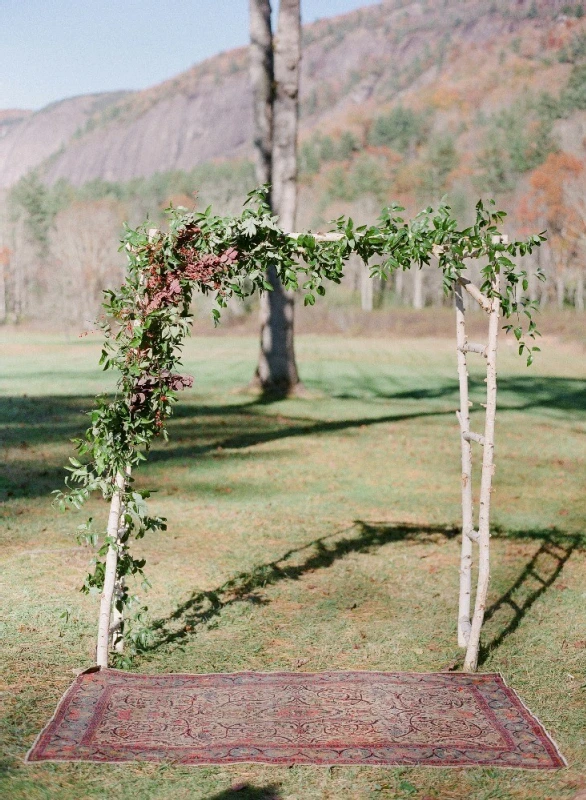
(79, 678)
(61, 700)
(538, 722)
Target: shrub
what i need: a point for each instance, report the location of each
(399, 129)
(574, 95)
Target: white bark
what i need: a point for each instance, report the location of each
(399, 275)
(366, 289)
(277, 368)
(287, 54)
(117, 626)
(417, 288)
(113, 532)
(467, 508)
(579, 296)
(471, 659)
(262, 78)
(560, 289)
(475, 293)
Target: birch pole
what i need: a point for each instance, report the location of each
(113, 533)
(467, 510)
(471, 659)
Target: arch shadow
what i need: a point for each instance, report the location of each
(246, 791)
(536, 577)
(202, 607)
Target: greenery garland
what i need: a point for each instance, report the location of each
(148, 317)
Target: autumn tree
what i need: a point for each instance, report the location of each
(274, 72)
(549, 205)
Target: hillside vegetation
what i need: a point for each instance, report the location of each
(399, 101)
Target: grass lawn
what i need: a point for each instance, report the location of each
(303, 535)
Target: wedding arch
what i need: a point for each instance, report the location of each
(147, 319)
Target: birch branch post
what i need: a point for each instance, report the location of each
(473, 644)
(467, 508)
(114, 531)
(469, 628)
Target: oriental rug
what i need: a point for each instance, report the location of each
(327, 718)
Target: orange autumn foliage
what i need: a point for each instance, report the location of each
(547, 182)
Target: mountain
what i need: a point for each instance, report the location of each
(458, 58)
(28, 138)
(401, 101)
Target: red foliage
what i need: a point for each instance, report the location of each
(165, 289)
(146, 385)
(208, 269)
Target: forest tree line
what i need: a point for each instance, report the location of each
(59, 243)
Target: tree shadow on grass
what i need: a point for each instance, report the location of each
(202, 608)
(515, 392)
(247, 792)
(565, 395)
(270, 431)
(536, 577)
(31, 426)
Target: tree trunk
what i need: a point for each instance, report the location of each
(579, 296)
(399, 283)
(277, 369)
(287, 53)
(472, 651)
(418, 288)
(560, 288)
(366, 289)
(104, 625)
(262, 78)
(466, 447)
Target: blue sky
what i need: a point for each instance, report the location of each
(51, 49)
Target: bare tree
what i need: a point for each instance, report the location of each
(84, 246)
(274, 72)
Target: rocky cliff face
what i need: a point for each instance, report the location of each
(27, 139)
(352, 66)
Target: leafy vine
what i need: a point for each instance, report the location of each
(147, 319)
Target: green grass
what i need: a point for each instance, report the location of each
(305, 535)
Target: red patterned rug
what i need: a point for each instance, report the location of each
(360, 718)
